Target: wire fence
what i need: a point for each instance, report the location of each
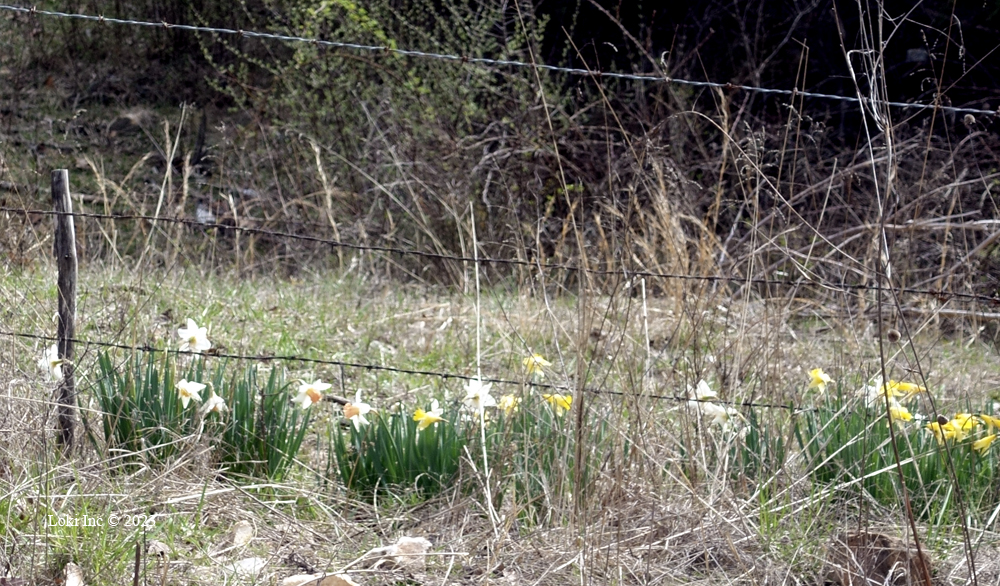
(624, 273)
(484, 61)
(265, 358)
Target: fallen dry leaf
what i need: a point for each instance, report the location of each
(319, 580)
(249, 567)
(241, 533)
(74, 575)
(411, 552)
(408, 553)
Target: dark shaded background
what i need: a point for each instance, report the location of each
(762, 41)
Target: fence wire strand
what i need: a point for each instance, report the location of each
(485, 61)
(397, 370)
(626, 274)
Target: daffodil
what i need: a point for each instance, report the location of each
(703, 392)
(901, 389)
(984, 444)
(965, 423)
(189, 390)
(214, 404)
(193, 338)
(721, 415)
(477, 395)
(427, 418)
(993, 422)
(357, 410)
(938, 430)
(559, 403)
(956, 428)
(534, 365)
(899, 413)
(908, 388)
(509, 403)
(310, 393)
(51, 363)
(819, 379)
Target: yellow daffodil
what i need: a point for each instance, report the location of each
(984, 444)
(908, 388)
(534, 365)
(901, 389)
(938, 430)
(189, 390)
(427, 418)
(193, 338)
(509, 404)
(357, 410)
(899, 413)
(477, 395)
(310, 393)
(957, 428)
(819, 379)
(560, 403)
(51, 363)
(991, 421)
(965, 422)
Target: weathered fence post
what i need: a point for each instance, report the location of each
(65, 253)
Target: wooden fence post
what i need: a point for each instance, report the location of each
(65, 253)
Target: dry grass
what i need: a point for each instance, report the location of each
(769, 239)
(655, 513)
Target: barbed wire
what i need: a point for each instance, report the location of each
(397, 370)
(624, 273)
(645, 78)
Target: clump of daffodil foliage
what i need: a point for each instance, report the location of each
(146, 411)
(396, 449)
(847, 442)
(254, 423)
(528, 442)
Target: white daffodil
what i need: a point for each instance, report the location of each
(357, 410)
(427, 418)
(477, 395)
(703, 392)
(189, 390)
(310, 393)
(51, 363)
(721, 415)
(214, 404)
(193, 338)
